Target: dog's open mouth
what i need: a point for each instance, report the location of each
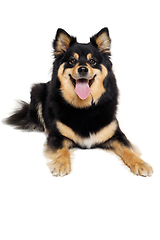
(82, 86)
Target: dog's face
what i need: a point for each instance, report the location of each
(82, 67)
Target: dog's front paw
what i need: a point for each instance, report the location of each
(59, 163)
(142, 168)
(59, 168)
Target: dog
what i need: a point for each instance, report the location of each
(77, 108)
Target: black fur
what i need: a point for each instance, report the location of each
(26, 117)
(77, 108)
(83, 121)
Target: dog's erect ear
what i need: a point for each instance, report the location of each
(62, 42)
(102, 40)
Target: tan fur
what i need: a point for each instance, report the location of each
(89, 56)
(62, 43)
(67, 143)
(76, 56)
(103, 42)
(136, 164)
(68, 90)
(97, 88)
(59, 164)
(40, 116)
(103, 135)
(74, 71)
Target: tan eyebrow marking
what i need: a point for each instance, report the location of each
(75, 55)
(89, 56)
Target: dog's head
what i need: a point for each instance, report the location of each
(82, 68)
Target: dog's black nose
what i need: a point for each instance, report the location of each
(83, 70)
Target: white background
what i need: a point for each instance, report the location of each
(101, 198)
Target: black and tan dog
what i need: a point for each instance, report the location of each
(77, 108)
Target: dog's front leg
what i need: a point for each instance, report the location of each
(120, 145)
(136, 164)
(59, 156)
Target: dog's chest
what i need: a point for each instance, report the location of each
(88, 142)
(94, 139)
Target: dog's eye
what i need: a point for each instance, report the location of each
(72, 61)
(92, 61)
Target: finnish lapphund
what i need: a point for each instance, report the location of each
(77, 108)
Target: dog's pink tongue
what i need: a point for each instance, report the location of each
(82, 89)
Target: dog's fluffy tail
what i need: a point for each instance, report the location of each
(25, 118)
